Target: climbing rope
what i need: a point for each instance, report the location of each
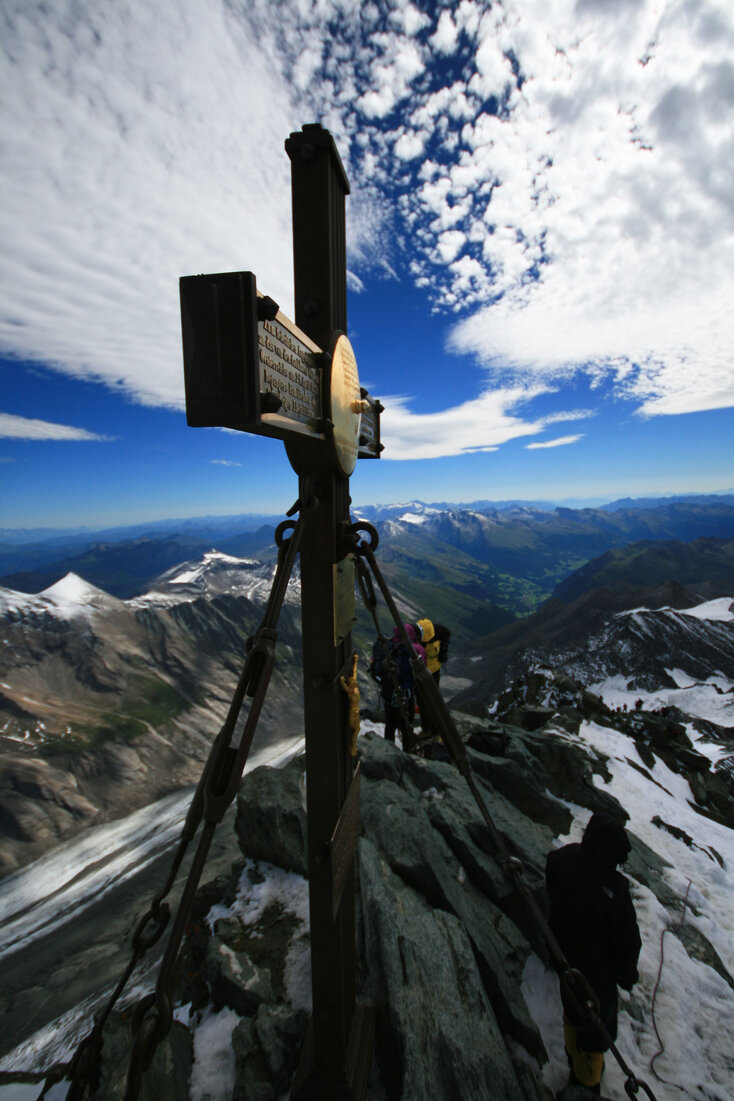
(575, 985)
(217, 787)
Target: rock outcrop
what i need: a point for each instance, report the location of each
(444, 938)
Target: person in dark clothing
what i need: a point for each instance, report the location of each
(435, 639)
(593, 919)
(390, 667)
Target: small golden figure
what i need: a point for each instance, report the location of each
(352, 690)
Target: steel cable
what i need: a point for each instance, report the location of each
(217, 787)
(574, 983)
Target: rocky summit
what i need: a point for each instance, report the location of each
(467, 1005)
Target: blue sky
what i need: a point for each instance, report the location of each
(540, 243)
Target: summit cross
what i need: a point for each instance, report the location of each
(250, 368)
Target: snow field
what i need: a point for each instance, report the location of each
(694, 1005)
(699, 699)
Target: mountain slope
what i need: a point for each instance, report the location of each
(706, 565)
(96, 690)
(527, 552)
(467, 1003)
(442, 582)
(644, 634)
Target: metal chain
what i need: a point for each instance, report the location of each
(222, 775)
(217, 787)
(574, 983)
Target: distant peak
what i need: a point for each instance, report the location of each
(69, 598)
(71, 589)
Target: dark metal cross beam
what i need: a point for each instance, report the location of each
(248, 367)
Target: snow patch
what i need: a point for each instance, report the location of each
(70, 598)
(717, 610)
(711, 700)
(212, 1074)
(290, 891)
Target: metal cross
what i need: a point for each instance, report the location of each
(249, 367)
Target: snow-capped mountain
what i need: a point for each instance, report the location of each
(94, 690)
(650, 649)
(216, 574)
(70, 598)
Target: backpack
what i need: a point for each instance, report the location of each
(443, 634)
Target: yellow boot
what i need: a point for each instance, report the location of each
(586, 1066)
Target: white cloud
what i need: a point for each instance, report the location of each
(13, 427)
(450, 243)
(493, 69)
(410, 144)
(578, 212)
(479, 425)
(224, 462)
(410, 19)
(560, 442)
(398, 62)
(125, 167)
(444, 40)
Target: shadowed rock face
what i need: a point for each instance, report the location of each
(443, 938)
(443, 942)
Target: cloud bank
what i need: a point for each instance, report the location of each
(562, 172)
(556, 177)
(482, 424)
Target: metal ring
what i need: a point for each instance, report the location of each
(143, 940)
(280, 531)
(368, 529)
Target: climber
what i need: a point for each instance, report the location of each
(594, 922)
(390, 667)
(435, 637)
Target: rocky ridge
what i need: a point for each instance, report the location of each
(444, 942)
(643, 637)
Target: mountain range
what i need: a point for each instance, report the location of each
(98, 688)
(108, 704)
(591, 667)
(514, 555)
